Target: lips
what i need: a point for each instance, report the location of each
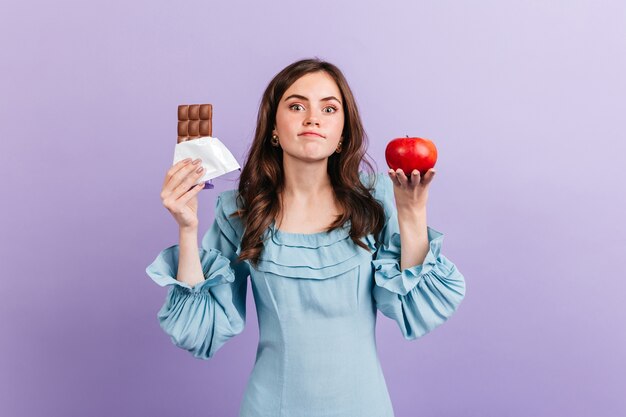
(311, 134)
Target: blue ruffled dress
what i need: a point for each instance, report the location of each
(316, 298)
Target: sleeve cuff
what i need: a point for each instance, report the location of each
(387, 273)
(215, 267)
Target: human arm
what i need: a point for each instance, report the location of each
(415, 284)
(201, 317)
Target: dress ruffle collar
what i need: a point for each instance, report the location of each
(315, 256)
(318, 255)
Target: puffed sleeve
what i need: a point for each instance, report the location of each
(419, 298)
(201, 319)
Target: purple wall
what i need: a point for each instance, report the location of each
(525, 101)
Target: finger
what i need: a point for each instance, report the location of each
(191, 193)
(393, 176)
(415, 177)
(402, 178)
(428, 177)
(176, 185)
(190, 180)
(175, 168)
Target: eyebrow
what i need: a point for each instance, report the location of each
(306, 99)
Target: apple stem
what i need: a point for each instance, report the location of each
(407, 136)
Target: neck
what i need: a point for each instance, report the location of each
(306, 180)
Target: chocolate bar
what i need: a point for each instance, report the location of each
(194, 121)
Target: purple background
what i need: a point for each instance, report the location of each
(525, 101)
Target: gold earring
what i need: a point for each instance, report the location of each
(274, 140)
(338, 150)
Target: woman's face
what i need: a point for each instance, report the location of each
(311, 104)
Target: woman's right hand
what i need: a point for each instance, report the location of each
(180, 194)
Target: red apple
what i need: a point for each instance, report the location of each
(411, 153)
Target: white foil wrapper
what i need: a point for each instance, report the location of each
(216, 158)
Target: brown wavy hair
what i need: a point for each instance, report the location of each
(262, 178)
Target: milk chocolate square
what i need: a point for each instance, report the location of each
(194, 121)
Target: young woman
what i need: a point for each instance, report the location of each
(324, 247)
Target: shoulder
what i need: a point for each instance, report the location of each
(227, 200)
(232, 226)
(380, 187)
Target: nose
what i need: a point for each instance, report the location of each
(311, 120)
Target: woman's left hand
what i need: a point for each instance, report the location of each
(411, 193)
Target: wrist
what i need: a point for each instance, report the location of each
(411, 211)
(188, 231)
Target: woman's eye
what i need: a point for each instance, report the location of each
(334, 109)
